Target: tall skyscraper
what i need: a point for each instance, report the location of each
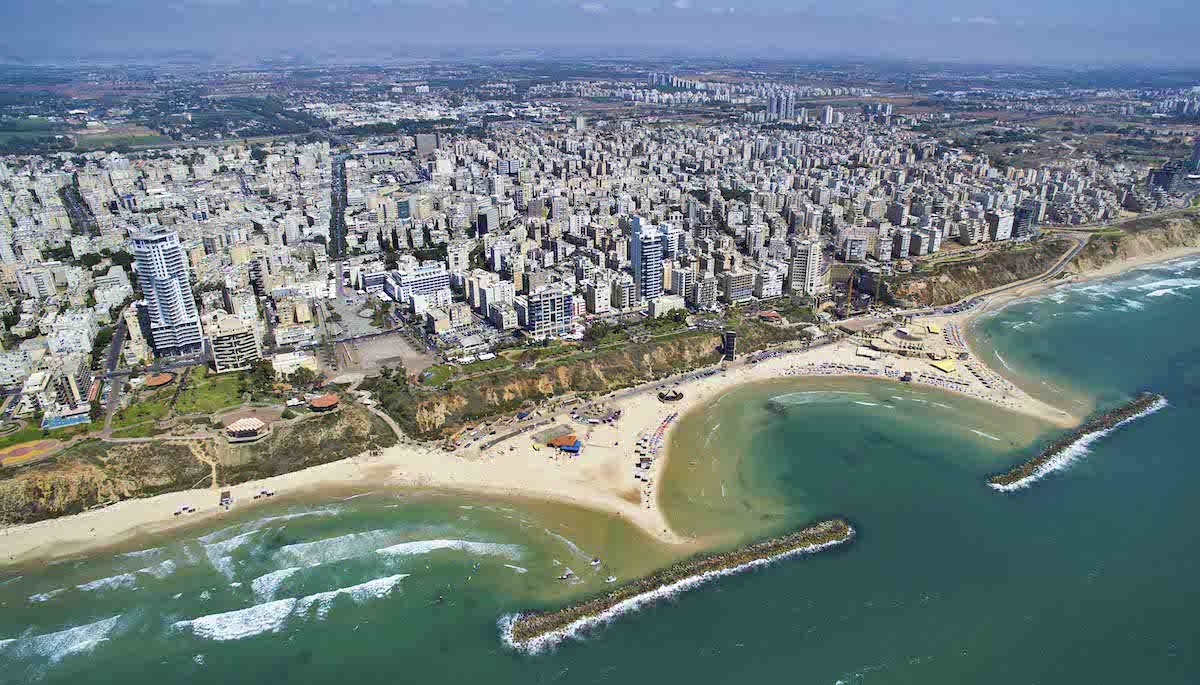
(645, 254)
(827, 115)
(1196, 155)
(164, 280)
(804, 274)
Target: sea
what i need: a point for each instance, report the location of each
(1089, 575)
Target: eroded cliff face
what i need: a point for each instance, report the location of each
(442, 412)
(1139, 239)
(952, 282)
(94, 473)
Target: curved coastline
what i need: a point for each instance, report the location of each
(1065, 450)
(534, 632)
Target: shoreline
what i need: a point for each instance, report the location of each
(601, 478)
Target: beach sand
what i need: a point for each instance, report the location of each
(602, 477)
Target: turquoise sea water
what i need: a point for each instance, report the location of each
(1088, 577)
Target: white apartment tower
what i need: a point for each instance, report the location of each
(804, 274)
(164, 280)
(645, 255)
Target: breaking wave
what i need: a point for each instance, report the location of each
(124, 580)
(811, 397)
(57, 646)
(242, 623)
(575, 629)
(372, 589)
(332, 549)
(46, 596)
(512, 552)
(266, 586)
(1075, 451)
(218, 553)
(273, 617)
(985, 435)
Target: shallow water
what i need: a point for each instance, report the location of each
(1088, 577)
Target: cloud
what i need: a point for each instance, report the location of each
(592, 7)
(981, 20)
(682, 4)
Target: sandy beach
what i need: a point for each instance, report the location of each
(603, 476)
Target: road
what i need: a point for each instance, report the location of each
(973, 300)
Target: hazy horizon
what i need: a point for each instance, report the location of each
(1108, 32)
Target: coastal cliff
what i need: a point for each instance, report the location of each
(1139, 239)
(950, 282)
(94, 473)
(432, 414)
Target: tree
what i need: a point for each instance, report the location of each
(305, 378)
(97, 411)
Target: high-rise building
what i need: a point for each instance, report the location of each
(164, 280)
(1196, 155)
(827, 115)
(804, 274)
(645, 255)
(233, 342)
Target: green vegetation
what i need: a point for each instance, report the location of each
(151, 408)
(31, 431)
(436, 375)
(321, 439)
(92, 473)
(206, 392)
(141, 430)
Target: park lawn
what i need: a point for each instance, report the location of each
(436, 375)
(152, 408)
(484, 365)
(26, 434)
(141, 430)
(207, 392)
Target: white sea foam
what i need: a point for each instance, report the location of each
(372, 589)
(10, 581)
(495, 549)
(235, 625)
(1160, 292)
(518, 569)
(141, 553)
(576, 628)
(323, 511)
(1075, 451)
(218, 553)
(1002, 360)
(46, 596)
(866, 404)
(124, 580)
(57, 646)
(160, 571)
(812, 397)
(985, 435)
(5, 643)
(943, 406)
(266, 586)
(332, 549)
(570, 545)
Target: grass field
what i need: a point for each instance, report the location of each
(206, 392)
(141, 430)
(26, 434)
(151, 408)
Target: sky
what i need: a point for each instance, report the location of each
(1142, 32)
